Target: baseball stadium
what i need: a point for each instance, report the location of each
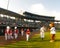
(28, 20)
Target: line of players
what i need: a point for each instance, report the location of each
(9, 34)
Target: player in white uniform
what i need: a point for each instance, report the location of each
(42, 30)
(52, 32)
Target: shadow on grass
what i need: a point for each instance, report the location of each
(39, 40)
(44, 40)
(57, 40)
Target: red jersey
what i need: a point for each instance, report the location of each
(28, 31)
(8, 31)
(16, 31)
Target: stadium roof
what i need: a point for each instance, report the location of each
(13, 14)
(38, 15)
(10, 13)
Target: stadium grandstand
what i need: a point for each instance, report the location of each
(27, 20)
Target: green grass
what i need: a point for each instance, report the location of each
(36, 42)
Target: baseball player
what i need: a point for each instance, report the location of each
(27, 34)
(22, 31)
(42, 30)
(8, 33)
(15, 32)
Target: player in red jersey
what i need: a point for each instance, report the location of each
(15, 32)
(8, 33)
(27, 34)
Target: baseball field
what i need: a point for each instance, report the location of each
(35, 42)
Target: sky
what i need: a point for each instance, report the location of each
(40, 7)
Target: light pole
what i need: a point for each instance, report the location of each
(7, 4)
(7, 8)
